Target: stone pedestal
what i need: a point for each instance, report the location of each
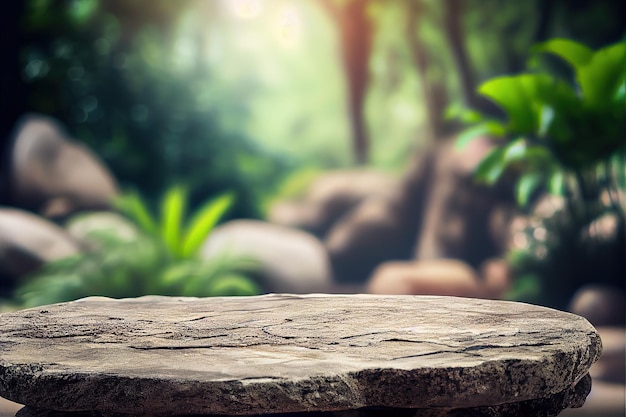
(315, 355)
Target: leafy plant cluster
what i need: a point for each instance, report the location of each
(567, 137)
(161, 258)
(553, 128)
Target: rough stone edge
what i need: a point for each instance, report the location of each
(348, 391)
(573, 397)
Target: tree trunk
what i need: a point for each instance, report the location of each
(545, 10)
(355, 37)
(435, 95)
(453, 28)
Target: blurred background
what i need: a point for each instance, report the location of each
(234, 147)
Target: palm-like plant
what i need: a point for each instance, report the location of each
(557, 134)
(182, 239)
(568, 138)
(162, 259)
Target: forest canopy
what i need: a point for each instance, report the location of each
(236, 94)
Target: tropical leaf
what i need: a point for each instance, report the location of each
(576, 54)
(620, 95)
(556, 183)
(601, 79)
(521, 96)
(203, 222)
(508, 93)
(600, 74)
(143, 266)
(173, 208)
(546, 120)
(489, 127)
(462, 114)
(134, 207)
(526, 185)
(515, 151)
(491, 167)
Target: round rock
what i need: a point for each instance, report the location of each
(288, 353)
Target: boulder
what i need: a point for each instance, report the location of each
(27, 242)
(372, 233)
(441, 277)
(289, 260)
(462, 219)
(84, 226)
(381, 228)
(602, 305)
(428, 277)
(54, 175)
(436, 211)
(294, 214)
(329, 197)
(353, 355)
(497, 278)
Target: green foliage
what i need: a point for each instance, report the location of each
(162, 259)
(182, 239)
(554, 128)
(143, 89)
(566, 256)
(120, 269)
(599, 75)
(566, 137)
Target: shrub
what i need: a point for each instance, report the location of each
(161, 260)
(566, 137)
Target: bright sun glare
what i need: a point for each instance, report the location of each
(284, 21)
(289, 27)
(247, 9)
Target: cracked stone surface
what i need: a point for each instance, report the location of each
(287, 353)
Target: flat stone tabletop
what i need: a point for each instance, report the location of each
(292, 353)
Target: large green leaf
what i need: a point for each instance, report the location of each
(601, 79)
(491, 166)
(522, 97)
(462, 114)
(203, 222)
(134, 207)
(599, 74)
(533, 156)
(515, 151)
(556, 183)
(172, 214)
(546, 120)
(489, 127)
(525, 187)
(620, 95)
(508, 93)
(576, 54)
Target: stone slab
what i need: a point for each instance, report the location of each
(288, 353)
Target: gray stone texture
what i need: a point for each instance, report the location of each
(27, 242)
(289, 260)
(54, 175)
(422, 355)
